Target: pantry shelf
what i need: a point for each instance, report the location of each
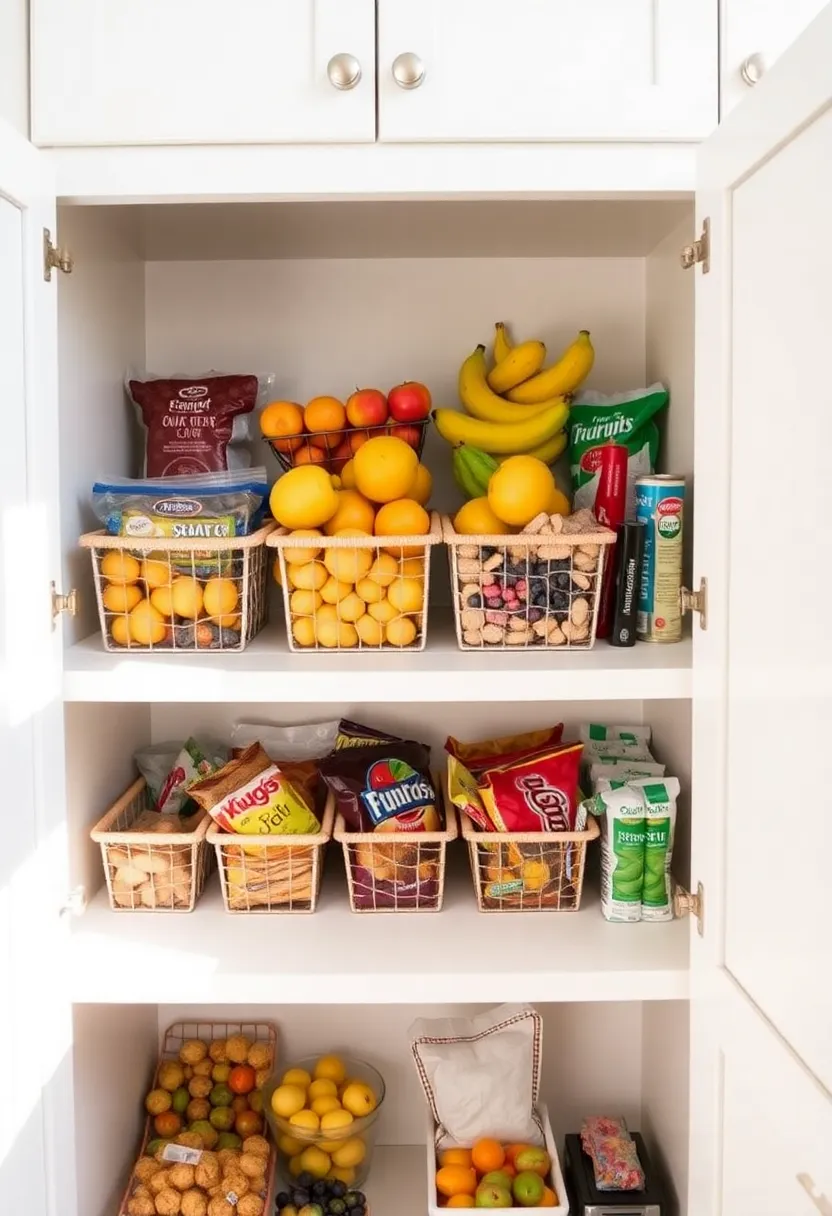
(267, 671)
(336, 956)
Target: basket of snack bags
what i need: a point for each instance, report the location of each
(391, 821)
(271, 817)
(180, 563)
(540, 587)
(526, 827)
(205, 1147)
(153, 839)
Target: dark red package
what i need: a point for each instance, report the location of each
(536, 794)
(504, 750)
(189, 422)
(610, 509)
(385, 787)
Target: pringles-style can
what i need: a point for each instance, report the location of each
(660, 502)
(610, 509)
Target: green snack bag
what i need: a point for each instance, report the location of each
(623, 418)
(659, 831)
(620, 810)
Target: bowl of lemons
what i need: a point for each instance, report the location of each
(322, 1111)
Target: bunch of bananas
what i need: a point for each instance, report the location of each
(519, 406)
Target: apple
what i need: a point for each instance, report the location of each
(489, 1196)
(535, 1159)
(528, 1189)
(367, 407)
(357, 439)
(496, 1178)
(409, 402)
(412, 435)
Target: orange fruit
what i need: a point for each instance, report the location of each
(407, 595)
(456, 1180)
(160, 598)
(308, 455)
(353, 511)
(558, 504)
(521, 488)
(120, 630)
(385, 468)
(370, 632)
(422, 485)
(512, 1151)
(401, 631)
(119, 567)
(147, 626)
(303, 498)
(404, 517)
(487, 1155)
(341, 456)
(282, 422)
(186, 597)
(550, 1199)
(156, 573)
(220, 599)
(455, 1156)
(477, 518)
(301, 555)
(348, 475)
(357, 439)
(461, 1201)
(324, 414)
(120, 597)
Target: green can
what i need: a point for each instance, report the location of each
(660, 504)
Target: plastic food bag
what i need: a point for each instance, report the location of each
(213, 506)
(156, 762)
(194, 762)
(620, 812)
(622, 418)
(312, 741)
(615, 1161)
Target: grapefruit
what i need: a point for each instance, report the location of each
(303, 498)
(385, 468)
(477, 518)
(353, 511)
(521, 488)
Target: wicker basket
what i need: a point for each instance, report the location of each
(329, 442)
(554, 581)
(241, 562)
(305, 629)
(148, 871)
(272, 873)
(175, 1036)
(528, 871)
(397, 871)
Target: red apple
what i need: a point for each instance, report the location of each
(367, 407)
(410, 434)
(357, 439)
(409, 402)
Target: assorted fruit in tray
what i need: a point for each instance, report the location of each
(495, 1175)
(320, 1197)
(328, 432)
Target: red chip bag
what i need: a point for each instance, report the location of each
(536, 794)
(505, 750)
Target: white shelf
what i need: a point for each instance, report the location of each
(398, 1181)
(267, 671)
(336, 956)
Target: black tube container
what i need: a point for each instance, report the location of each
(629, 554)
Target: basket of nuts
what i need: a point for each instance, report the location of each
(540, 587)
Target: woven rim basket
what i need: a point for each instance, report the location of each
(330, 441)
(177, 1034)
(380, 864)
(151, 871)
(240, 561)
(303, 625)
(546, 589)
(272, 873)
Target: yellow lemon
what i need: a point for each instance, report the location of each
(311, 576)
(297, 1076)
(325, 1106)
(477, 518)
(347, 1176)
(289, 1146)
(186, 597)
(305, 602)
(359, 1100)
(351, 1153)
(335, 635)
(351, 607)
(383, 570)
(162, 600)
(287, 1100)
(333, 591)
(120, 597)
(348, 565)
(422, 486)
(348, 476)
(303, 498)
(400, 632)
(155, 573)
(120, 630)
(315, 1161)
(412, 567)
(558, 504)
(383, 611)
(146, 624)
(303, 554)
(406, 594)
(520, 488)
(119, 567)
(385, 468)
(220, 598)
(323, 1088)
(305, 1119)
(354, 511)
(330, 1068)
(370, 632)
(404, 517)
(369, 591)
(303, 630)
(336, 1119)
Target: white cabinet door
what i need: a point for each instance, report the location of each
(36, 1127)
(189, 72)
(754, 34)
(762, 710)
(547, 69)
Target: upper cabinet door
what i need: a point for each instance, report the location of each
(754, 34)
(177, 71)
(547, 69)
(762, 714)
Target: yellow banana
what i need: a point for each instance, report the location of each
(571, 369)
(480, 402)
(519, 364)
(502, 342)
(501, 438)
(551, 449)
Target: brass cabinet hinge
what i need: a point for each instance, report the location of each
(59, 259)
(687, 904)
(697, 601)
(698, 253)
(63, 603)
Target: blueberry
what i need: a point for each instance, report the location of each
(535, 614)
(337, 1188)
(474, 601)
(336, 1207)
(283, 1200)
(562, 581)
(300, 1196)
(487, 551)
(306, 1180)
(319, 1189)
(559, 600)
(560, 563)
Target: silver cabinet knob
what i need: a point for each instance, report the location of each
(753, 68)
(408, 70)
(344, 71)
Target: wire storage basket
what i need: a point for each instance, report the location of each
(272, 873)
(397, 871)
(332, 449)
(147, 869)
(355, 592)
(533, 589)
(166, 594)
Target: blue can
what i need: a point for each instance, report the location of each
(660, 505)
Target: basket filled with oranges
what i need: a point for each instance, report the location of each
(328, 432)
(353, 555)
(171, 594)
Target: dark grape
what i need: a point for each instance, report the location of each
(337, 1189)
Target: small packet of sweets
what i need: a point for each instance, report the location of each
(508, 748)
(251, 795)
(535, 794)
(355, 734)
(614, 1155)
(384, 787)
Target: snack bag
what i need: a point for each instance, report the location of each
(626, 419)
(354, 734)
(464, 793)
(193, 763)
(384, 787)
(536, 794)
(659, 833)
(614, 1155)
(609, 768)
(616, 749)
(592, 732)
(476, 756)
(251, 795)
(620, 811)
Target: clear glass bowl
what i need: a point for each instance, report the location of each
(348, 1150)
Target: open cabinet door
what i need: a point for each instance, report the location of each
(36, 1116)
(761, 1019)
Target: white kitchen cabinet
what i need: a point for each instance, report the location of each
(180, 72)
(599, 70)
(329, 293)
(754, 33)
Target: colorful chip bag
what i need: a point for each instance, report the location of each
(384, 787)
(536, 794)
(476, 756)
(355, 734)
(251, 795)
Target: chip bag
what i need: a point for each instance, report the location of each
(384, 787)
(476, 756)
(355, 734)
(251, 795)
(538, 793)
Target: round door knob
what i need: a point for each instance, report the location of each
(408, 70)
(344, 71)
(753, 68)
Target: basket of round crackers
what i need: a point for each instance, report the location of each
(527, 833)
(391, 820)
